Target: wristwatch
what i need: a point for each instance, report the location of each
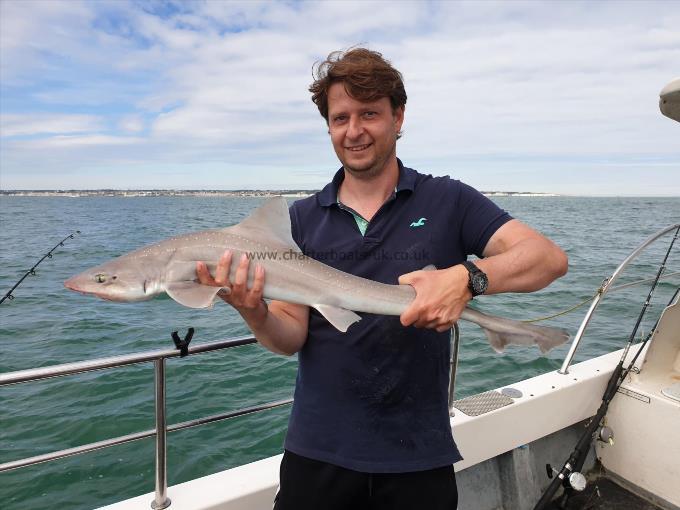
(478, 281)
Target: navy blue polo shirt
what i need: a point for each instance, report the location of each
(374, 399)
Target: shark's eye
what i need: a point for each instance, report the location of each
(100, 278)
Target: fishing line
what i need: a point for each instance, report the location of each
(599, 291)
(31, 272)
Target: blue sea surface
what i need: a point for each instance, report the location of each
(47, 325)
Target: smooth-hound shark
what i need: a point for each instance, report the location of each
(170, 266)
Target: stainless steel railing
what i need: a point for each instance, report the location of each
(161, 430)
(607, 286)
(453, 365)
(161, 499)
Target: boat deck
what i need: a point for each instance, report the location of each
(604, 494)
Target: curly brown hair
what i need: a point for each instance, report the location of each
(367, 76)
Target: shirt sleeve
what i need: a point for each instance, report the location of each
(294, 230)
(479, 219)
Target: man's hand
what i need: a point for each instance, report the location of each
(281, 327)
(248, 302)
(441, 297)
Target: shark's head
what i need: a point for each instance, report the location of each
(112, 281)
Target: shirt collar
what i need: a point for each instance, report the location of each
(328, 196)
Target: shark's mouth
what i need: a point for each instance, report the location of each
(72, 285)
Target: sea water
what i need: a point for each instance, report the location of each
(47, 325)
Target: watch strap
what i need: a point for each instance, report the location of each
(470, 266)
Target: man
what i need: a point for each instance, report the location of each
(369, 426)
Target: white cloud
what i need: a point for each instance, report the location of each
(31, 32)
(225, 83)
(75, 142)
(131, 123)
(38, 124)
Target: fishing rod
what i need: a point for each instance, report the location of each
(31, 271)
(570, 476)
(639, 282)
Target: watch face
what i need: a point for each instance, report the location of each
(479, 283)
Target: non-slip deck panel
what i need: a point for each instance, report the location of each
(482, 403)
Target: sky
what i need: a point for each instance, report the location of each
(558, 97)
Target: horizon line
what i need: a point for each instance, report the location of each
(275, 191)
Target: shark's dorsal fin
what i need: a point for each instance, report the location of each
(269, 223)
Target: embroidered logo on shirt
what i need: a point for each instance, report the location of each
(419, 223)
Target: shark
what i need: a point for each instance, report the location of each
(265, 237)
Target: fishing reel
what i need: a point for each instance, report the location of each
(576, 480)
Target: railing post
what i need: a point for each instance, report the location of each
(161, 500)
(564, 369)
(453, 362)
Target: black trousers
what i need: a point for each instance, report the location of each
(308, 484)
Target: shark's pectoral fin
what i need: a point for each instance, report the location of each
(192, 294)
(340, 318)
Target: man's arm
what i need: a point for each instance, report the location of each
(281, 327)
(521, 260)
(516, 259)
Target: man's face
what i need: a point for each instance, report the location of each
(364, 135)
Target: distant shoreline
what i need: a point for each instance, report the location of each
(212, 193)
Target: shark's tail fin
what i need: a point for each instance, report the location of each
(545, 338)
